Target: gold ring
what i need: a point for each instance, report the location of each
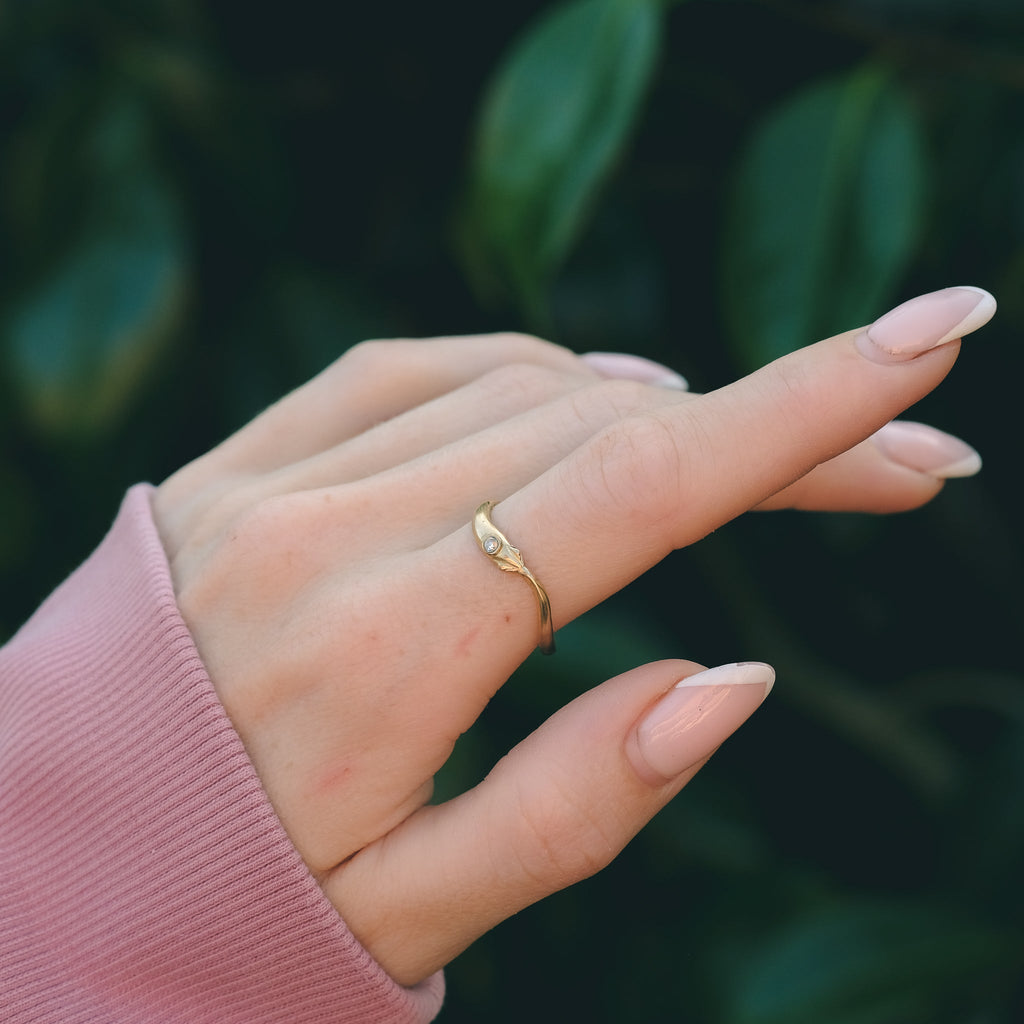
(499, 550)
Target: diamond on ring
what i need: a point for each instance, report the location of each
(508, 558)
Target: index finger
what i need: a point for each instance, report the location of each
(665, 478)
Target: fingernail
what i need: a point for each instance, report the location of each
(925, 323)
(630, 367)
(927, 450)
(697, 715)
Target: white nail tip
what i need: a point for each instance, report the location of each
(743, 673)
(924, 449)
(978, 317)
(675, 381)
(968, 466)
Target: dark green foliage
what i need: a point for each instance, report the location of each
(202, 204)
(825, 214)
(556, 116)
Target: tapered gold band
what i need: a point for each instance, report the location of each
(499, 550)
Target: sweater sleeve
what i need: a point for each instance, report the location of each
(143, 874)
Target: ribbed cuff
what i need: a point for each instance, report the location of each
(143, 874)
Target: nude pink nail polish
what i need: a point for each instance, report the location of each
(922, 448)
(697, 715)
(625, 366)
(926, 322)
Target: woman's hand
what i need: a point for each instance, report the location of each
(324, 562)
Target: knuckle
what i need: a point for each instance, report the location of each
(266, 524)
(562, 842)
(640, 468)
(368, 356)
(607, 410)
(517, 338)
(254, 554)
(243, 599)
(524, 345)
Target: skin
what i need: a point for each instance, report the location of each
(324, 562)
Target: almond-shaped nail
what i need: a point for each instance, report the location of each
(925, 323)
(927, 450)
(696, 716)
(629, 367)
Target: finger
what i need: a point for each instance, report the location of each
(423, 499)
(369, 384)
(656, 482)
(401, 486)
(498, 395)
(899, 467)
(380, 405)
(557, 809)
(377, 380)
(448, 424)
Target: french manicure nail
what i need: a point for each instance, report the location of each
(925, 323)
(629, 367)
(927, 450)
(698, 714)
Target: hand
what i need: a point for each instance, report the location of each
(324, 562)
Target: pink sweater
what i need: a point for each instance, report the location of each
(143, 874)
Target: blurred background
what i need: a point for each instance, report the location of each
(201, 204)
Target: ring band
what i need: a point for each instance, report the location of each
(499, 550)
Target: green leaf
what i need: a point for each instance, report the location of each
(554, 120)
(82, 341)
(824, 216)
(871, 963)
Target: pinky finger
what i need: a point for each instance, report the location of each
(900, 467)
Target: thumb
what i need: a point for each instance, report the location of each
(556, 809)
